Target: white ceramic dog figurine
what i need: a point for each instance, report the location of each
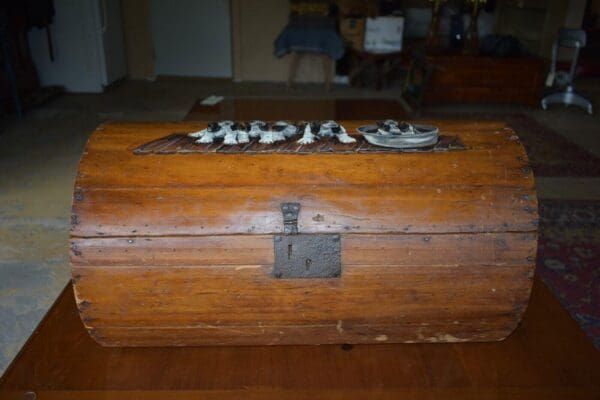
(208, 135)
(230, 135)
(391, 127)
(242, 136)
(309, 133)
(233, 133)
(254, 128)
(314, 131)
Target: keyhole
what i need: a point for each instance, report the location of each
(289, 251)
(307, 263)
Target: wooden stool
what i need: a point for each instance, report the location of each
(293, 68)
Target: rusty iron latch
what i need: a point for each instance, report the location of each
(290, 217)
(302, 255)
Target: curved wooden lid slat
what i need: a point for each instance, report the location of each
(486, 188)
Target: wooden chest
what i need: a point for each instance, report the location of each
(170, 246)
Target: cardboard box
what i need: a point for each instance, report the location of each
(353, 31)
(384, 34)
(358, 8)
(309, 7)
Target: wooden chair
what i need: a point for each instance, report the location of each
(295, 61)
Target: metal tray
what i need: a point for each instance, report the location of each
(426, 135)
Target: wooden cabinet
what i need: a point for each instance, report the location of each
(477, 79)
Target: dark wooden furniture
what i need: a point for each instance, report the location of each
(247, 109)
(375, 69)
(178, 249)
(533, 22)
(548, 358)
(479, 79)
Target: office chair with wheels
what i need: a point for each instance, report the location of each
(575, 39)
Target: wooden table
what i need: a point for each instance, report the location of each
(548, 357)
(272, 109)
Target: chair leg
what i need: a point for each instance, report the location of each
(578, 100)
(567, 98)
(292, 68)
(554, 98)
(327, 71)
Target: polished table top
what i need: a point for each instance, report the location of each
(547, 357)
(307, 109)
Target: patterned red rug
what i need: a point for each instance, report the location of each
(569, 258)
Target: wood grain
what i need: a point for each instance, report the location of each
(335, 209)
(177, 249)
(246, 305)
(517, 393)
(547, 357)
(491, 249)
(110, 164)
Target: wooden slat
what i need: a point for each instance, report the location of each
(494, 159)
(492, 249)
(252, 210)
(486, 188)
(108, 169)
(215, 296)
(297, 335)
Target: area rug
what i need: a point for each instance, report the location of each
(550, 153)
(569, 258)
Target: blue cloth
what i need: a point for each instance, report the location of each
(309, 38)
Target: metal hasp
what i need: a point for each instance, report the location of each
(302, 255)
(290, 217)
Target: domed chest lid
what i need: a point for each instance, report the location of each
(487, 187)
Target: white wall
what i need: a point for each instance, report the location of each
(192, 38)
(76, 59)
(113, 41)
(86, 56)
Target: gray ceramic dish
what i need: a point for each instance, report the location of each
(421, 136)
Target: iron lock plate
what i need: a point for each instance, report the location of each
(301, 255)
(307, 256)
